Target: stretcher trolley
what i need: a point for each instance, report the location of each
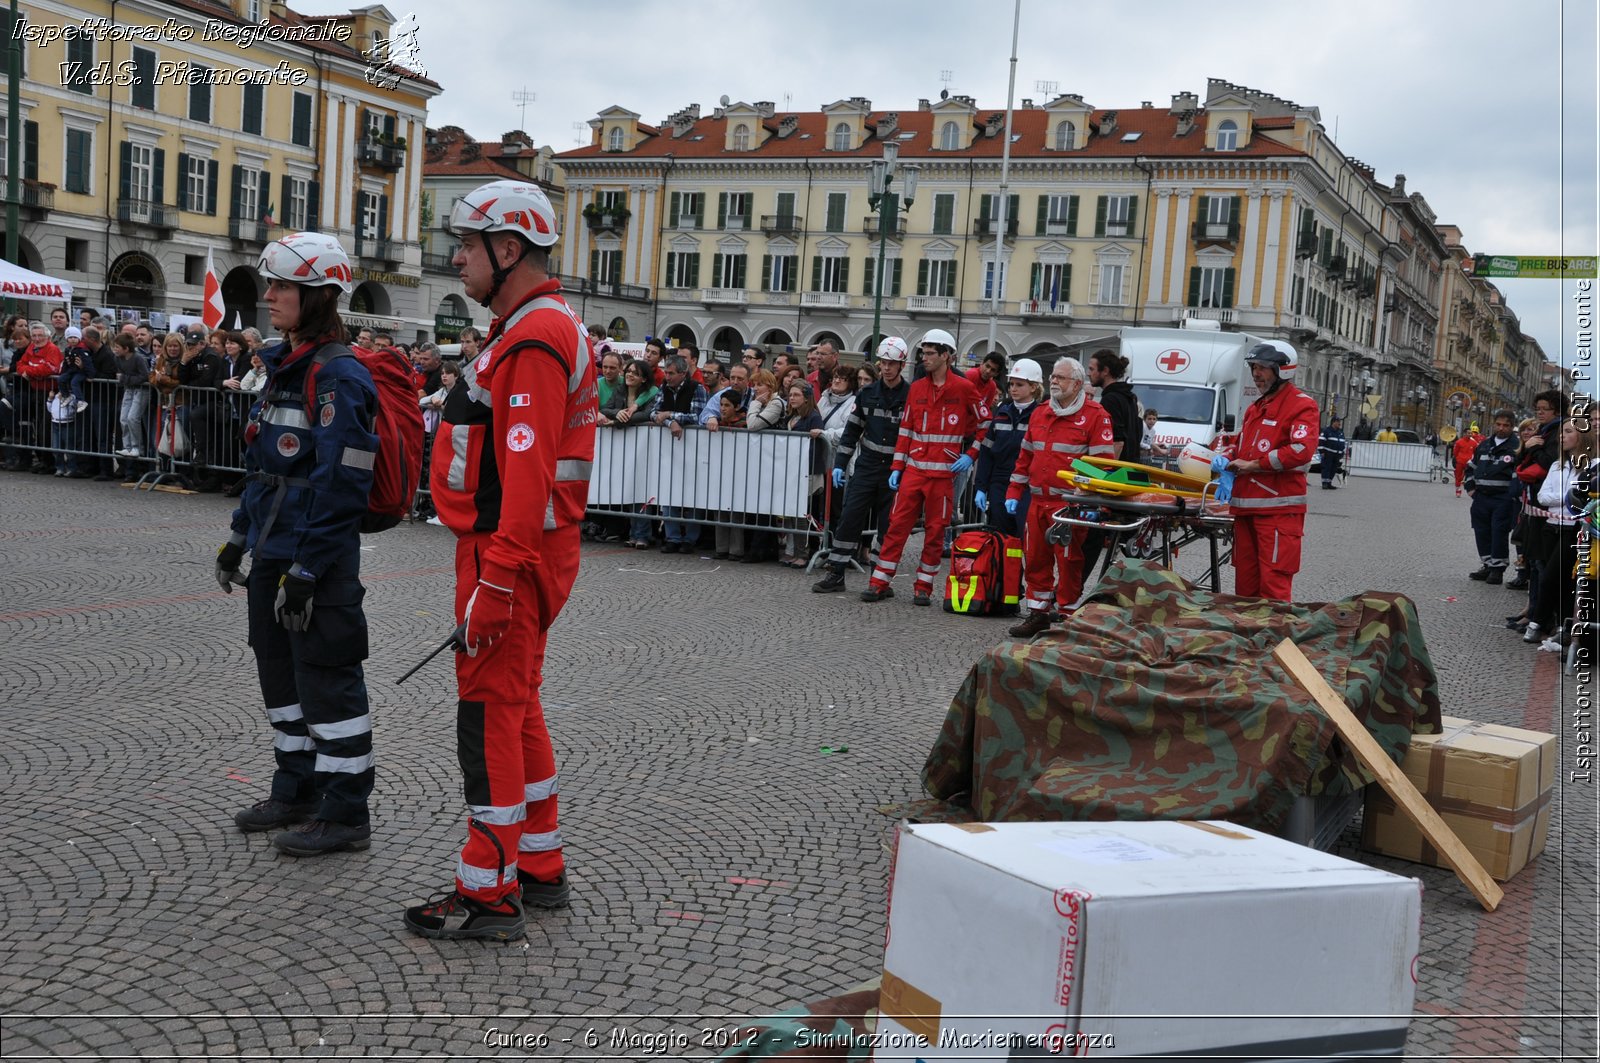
(1145, 512)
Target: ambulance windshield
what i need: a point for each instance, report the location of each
(1175, 402)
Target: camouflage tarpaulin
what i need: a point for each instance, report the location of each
(1159, 700)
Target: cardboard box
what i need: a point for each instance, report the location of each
(1035, 940)
(1490, 784)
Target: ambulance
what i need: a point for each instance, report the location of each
(1194, 377)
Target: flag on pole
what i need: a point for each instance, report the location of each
(212, 307)
(1055, 291)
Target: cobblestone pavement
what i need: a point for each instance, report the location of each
(722, 865)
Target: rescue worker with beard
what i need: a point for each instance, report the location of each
(311, 451)
(1071, 425)
(940, 432)
(1276, 445)
(510, 477)
(873, 427)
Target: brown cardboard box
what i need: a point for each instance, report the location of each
(1490, 784)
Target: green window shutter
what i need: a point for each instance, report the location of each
(836, 214)
(1072, 215)
(950, 282)
(1066, 281)
(722, 209)
(944, 209)
(672, 260)
(616, 270)
(1194, 286)
(766, 273)
(383, 217)
(717, 279)
(749, 209)
(894, 284)
(211, 187)
(125, 181)
(844, 275)
(1233, 211)
(672, 216)
(983, 206)
(1044, 215)
(1035, 277)
(694, 269)
(922, 277)
(700, 212)
(30, 150)
(738, 271)
(158, 176)
(285, 197)
(1227, 286)
(1327, 246)
(264, 204)
(1100, 216)
(1133, 215)
(313, 204)
(791, 275)
(866, 276)
(182, 198)
(234, 191)
(594, 265)
(816, 273)
(1202, 210)
(1013, 210)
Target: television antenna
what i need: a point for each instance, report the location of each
(577, 131)
(1046, 88)
(524, 97)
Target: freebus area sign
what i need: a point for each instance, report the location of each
(1535, 266)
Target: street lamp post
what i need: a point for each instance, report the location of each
(886, 202)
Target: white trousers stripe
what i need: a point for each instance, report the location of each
(539, 791)
(355, 725)
(484, 878)
(498, 815)
(539, 843)
(347, 765)
(293, 743)
(284, 713)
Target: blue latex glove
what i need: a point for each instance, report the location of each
(894, 481)
(838, 477)
(962, 464)
(1011, 506)
(981, 500)
(1219, 463)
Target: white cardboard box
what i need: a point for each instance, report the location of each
(1024, 940)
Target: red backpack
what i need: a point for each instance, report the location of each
(398, 426)
(985, 574)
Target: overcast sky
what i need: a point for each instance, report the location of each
(1488, 108)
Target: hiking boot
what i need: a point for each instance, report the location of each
(877, 594)
(1037, 623)
(271, 814)
(319, 837)
(1495, 576)
(833, 581)
(1481, 574)
(537, 893)
(921, 598)
(453, 915)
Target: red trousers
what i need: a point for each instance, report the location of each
(508, 764)
(1266, 554)
(920, 494)
(1045, 564)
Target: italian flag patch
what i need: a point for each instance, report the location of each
(519, 400)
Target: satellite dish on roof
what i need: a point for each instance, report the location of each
(944, 94)
(724, 100)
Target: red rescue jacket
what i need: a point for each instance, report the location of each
(1280, 431)
(1051, 443)
(939, 424)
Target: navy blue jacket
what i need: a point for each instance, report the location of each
(322, 461)
(1493, 468)
(1001, 445)
(874, 425)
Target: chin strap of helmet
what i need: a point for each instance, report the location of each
(500, 272)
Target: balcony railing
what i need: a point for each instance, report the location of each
(985, 226)
(250, 232)
(736, 223)
(1226, 315)
(1057, 228)
(440, 262)
(379, 250)
(930, 303)
(606, 221)
(371, 152)
(829, 299)
(897, 226)
(690, 221)
(1042, 308)
(144, 212)
(724, 296)
(782, 223)
(612, 290)
(34, 197)
(1213, 230)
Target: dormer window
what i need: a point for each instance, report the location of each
(1227, 135)
(614, 141)
(1066, 136)
(841, 137)
(252, 10)
(741, 137)
(949, 136)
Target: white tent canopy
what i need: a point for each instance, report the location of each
(19, 283)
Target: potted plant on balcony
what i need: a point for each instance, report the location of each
(599, 213)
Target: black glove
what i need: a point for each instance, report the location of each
(229, 557)
(293, 607)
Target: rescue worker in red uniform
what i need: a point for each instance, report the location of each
(510, 476)
(1276, 445)
(1071, 425)
(1462, 451)
(940, 431)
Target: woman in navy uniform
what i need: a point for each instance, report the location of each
(312, 449)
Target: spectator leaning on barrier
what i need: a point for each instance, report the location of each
(655, 350)
(1002, 445)
(77, 367)
(630, 404)
(59, 320)
(712, 376)
(133, 373)
(765, 408)
(679, 404)
(202, 371)
(738, 390)
(610, 380)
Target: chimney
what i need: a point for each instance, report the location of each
(922, 105)
(515, 141)
(1399, 184)
(1027, 103)
(1185, 123)
(766, 108)
(994, 124)
(683, 121)
(888, 124)
(788, 124)
(1145, 105)
(278, 9)
(1108, 123)
(1184, 101)
(718, 113)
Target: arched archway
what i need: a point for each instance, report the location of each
(775, 337)
(450, 317)
(727, 339)
(618, 329)
(241, 298)
(1043, 348)
(681, 333)
(370, 298)
(831, 337)
(135, 279)
(27, 255)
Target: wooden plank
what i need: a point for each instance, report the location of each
(1390, 777)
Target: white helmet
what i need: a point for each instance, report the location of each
(314, 259)
(1278, 354)
(939, 338)
(1026, 369)
(892, 349)
(506, 207)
